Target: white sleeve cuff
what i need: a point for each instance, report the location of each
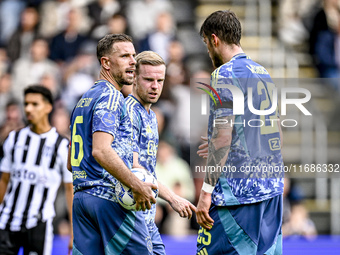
(207, 187)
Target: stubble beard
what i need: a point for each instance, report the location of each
(216, 60)
(121, 80)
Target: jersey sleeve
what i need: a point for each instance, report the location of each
(6, 162)
(107, 113)
(63, 153)
(136, 130)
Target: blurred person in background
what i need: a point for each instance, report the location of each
(117, 24)
(82, 69)
(142, 16)
(33, 167)
(19, 44)
(179, 92)
(61, 121)
(4, 61)
(53, 83)
(101, 12)
(9, 18)
(173, 172)
(13, 121)
(295, 220)
(64, 46)
(54, 17)
(294, 19)
(5, 93)
(159, 39)
(324, 42)
(31, 70)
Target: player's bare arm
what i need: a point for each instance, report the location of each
(69, 199)
(182, 206)
(3, 185)
(219, 147)
(69, 166)
(111, 162)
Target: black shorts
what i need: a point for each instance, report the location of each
(38, 239)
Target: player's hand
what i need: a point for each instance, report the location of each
(144, 195)
(182, 206)
(202, 212)
(203, 148)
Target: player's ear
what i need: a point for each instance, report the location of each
(215, 40)
(49, 108)
(105, 62)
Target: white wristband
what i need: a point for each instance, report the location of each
(207, 187)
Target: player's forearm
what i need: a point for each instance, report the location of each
(219, 147)
(69, 166)
(113, 164)
(69, 200)
(3, 185)
(165, 193)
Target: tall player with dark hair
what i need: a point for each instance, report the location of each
(239, 212)
(33, 167)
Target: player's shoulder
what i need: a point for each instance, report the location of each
(246, 67)
(14, 134)
(132, 103)
(59, 138)
(105, 88)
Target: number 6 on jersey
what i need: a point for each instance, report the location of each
(77, 139)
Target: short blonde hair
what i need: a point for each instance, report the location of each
(148, 58)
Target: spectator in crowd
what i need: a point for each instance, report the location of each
(143, 14)
(54, 17)
(30, 70)
(5, 94)
(293, 20)
(20, 42)
(117, 24)
(65, 45)
(173, 172)
(295, 220)
(159, 40)
(61, 120)
(4, 61)
(9, 18)
(53, 83)
(100, 12)
(13, 121)
(322, 41)
(82, 69)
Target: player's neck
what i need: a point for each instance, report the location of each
(147, 106)
(230, 51)
(106, 76)
(42, 127)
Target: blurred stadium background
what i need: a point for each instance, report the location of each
(53, 43)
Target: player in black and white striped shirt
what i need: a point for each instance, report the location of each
(34, 165)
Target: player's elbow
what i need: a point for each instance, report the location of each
(96, 153)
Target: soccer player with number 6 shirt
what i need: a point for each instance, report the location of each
(101, 154)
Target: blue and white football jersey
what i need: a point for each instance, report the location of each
(255, 151)
(145, 142)
(102, 108)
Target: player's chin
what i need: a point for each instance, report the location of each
(128, 81)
